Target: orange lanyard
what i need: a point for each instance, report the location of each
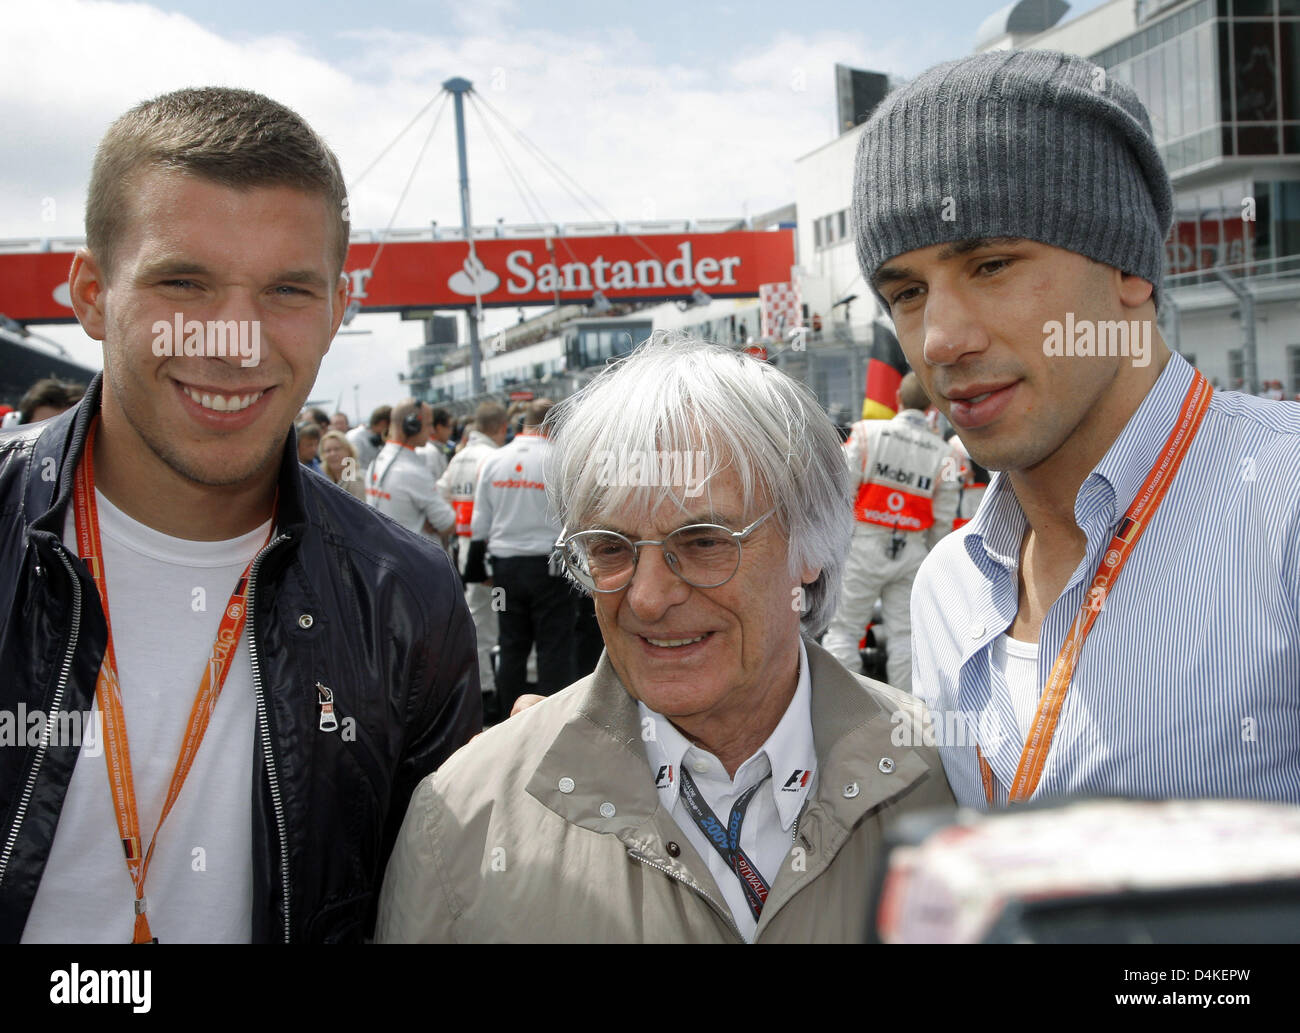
(108, 693)
(1139, 516)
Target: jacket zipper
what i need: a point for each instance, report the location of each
(265, 731)
(694, 889)
(56, 704)
(329, 721)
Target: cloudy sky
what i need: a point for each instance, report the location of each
(672, 109)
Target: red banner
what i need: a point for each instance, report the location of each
(532, 271)
(1225, 239)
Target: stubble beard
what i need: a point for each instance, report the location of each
(177, 459)
(185, 467)
(1024, 455)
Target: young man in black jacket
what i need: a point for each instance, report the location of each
(223, 676)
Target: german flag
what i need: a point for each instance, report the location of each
(885, 369)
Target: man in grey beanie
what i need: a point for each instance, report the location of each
(1122, 616)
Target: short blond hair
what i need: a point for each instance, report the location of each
(339, 436)
(234, 138)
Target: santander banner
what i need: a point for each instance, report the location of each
(524, 271)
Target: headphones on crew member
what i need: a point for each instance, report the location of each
(412, 424)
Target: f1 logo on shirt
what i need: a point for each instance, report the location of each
(665, 776)
(796, 781)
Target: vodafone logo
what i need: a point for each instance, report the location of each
(519, 467)
(895, 501)
(1112, 558)
(234, 610)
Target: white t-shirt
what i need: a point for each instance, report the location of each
(1018, 662)
(166, 598)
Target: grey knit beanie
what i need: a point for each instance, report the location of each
(1020, 143)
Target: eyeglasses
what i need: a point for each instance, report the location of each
(702, 555)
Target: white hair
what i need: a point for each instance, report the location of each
(679, 396)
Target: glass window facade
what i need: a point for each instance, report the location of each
(1236, 369)
(1288, 63)
(1219, 78)
(1286, 218)
(1240, 223)
(1256, 71)
(594, 346)
(831, 229)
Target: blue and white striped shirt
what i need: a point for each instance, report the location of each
(1189, 683)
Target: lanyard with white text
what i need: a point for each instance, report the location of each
(727, 840)
(108, 693)
(1136, 520)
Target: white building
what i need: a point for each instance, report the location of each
(1221, 81)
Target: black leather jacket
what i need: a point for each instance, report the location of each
(341, 597)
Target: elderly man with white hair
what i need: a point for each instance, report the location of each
(719, 777)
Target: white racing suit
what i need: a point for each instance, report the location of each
(457, 486)
(909, 481)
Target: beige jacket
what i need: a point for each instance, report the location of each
(494, 849)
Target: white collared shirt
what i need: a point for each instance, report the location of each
(1196, 650)
(399, 485)
(788, 755)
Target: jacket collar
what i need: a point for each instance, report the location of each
(595, 774)
(63, 440)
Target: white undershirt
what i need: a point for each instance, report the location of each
(1018, 663)
(166, 598)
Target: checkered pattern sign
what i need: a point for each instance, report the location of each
(781, 307)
